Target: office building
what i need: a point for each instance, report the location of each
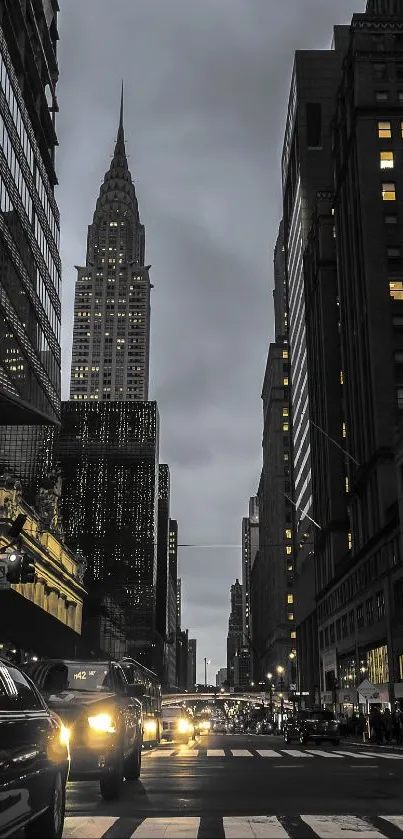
(30, 269)
(172, 620)
(306, 169)
(359, 610)
(221, 677)
(111, 338)
(272, 575)
(250, 548)
(113, 447)
(182, 658)
(235, 630)
(162, 551)
(192, 647)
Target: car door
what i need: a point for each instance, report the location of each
(129, 709)
(25, 726)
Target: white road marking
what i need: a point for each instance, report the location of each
(268, 753)
(323, 754)
(347, 827)
(241, 753)
(295, 753)
(86, 827)
(163, 753)
(183, 827)
(355, 755)
(396, 820)
(385, 755)
(253, 827)
(215, 753)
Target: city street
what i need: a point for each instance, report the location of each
(249, 786)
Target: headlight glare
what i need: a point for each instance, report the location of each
(183, 726)
(150, 726)
(102, 724)
(64, 736)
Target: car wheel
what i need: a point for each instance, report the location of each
(111, 783)
(133, 766)
(50, 824)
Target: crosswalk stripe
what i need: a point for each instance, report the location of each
(349, 827)
(182, 827)
(215, 753)
(253, 827)
(295, 753)
(385, 755)
(356, 755)
(241, 753)
(268, 753)
(162, 753)
(319, 753)
(397, 821)
(87, 827)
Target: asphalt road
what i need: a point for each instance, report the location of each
(245, 786)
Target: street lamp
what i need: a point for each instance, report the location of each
(270, 679)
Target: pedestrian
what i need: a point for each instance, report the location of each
(387, 725)
(376, 725)
(397, 726)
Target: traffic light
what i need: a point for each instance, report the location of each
(27, 570)
(14, 563)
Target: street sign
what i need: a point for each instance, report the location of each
(4, 584)
(366, 689)
(293, 687)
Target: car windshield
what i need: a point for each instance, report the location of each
(87, 676)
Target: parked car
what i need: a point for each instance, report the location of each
(104, 719)
(264, 726)
(34, 759)
(177, 724)
(314, 724)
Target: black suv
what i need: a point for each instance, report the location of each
(34, 759)
(312, 725)
(103, 717)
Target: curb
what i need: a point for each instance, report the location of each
(389, 746)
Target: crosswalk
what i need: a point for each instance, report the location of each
(235, 827)
(295, 754)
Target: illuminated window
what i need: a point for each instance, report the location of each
(344, 430)
(389, 191)
(378, 665)
(384, 130)
(285, 412)
(341, 377)
(285, 381)
(290, 598)
(289, 567)
(401, 128)
(288, 550)
(387, 159)
(347, 485)
(288, 534)
(286, 426)
(290, 616)
(396, 289)
(293, 635)
(285, 353)
(350, 541)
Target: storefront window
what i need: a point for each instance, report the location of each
(378, 665)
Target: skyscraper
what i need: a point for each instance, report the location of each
(30, 269)
(235, 635)
(250, 548)
(110, 358)
(192, 652)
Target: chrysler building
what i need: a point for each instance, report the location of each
(111, 338)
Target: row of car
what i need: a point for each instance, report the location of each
(61, 719)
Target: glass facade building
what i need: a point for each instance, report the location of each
(109, 457)
(30, 268)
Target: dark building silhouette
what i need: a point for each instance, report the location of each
(250, 547)
(109, 456)
(272, 575)
(235, 633)
(192, 651)
(172, 603)
(182, 658)
(30, 269)
(163, 557)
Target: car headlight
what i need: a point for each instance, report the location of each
(205, 724)
(102, 724)
(183, 726)
(150, 726)
(64, 736)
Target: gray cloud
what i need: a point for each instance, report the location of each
(206, 89)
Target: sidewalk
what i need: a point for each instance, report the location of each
(358, 741)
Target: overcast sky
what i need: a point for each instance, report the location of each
(206, 90)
